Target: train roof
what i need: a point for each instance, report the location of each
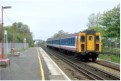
(71, 35)
(89, 31)
(64, 36)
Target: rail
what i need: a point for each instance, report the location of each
(92, 72)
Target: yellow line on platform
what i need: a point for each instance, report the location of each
(41, 68)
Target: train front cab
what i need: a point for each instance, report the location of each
(89, 46)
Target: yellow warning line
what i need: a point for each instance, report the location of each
(41, 68)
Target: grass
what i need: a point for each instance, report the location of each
(112, 58)
(112, 50)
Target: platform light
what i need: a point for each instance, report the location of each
(3, 7)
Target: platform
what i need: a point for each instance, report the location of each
(32, 64)
(55, 72)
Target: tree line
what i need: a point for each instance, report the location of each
(21, 31)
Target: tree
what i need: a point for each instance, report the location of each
(59, 34)
(94, 20)
(9, 32)
(111, 22)
(21, 31)
(94, 24)
(108, 23)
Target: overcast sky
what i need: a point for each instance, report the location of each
(46, 17)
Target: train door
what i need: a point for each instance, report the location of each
(90, 43)
(82, 42)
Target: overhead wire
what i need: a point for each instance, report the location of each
(8, 17)
(13, 39)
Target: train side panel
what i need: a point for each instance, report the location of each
(54, 43)
(98, 42)
(69, 43)
(81, 42)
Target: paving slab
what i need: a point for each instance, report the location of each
(26, 67)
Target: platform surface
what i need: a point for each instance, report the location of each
(27, 67)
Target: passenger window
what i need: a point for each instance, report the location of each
(90, 37)
(82, 39)
(97, 38)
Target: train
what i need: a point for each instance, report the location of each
(85, 45)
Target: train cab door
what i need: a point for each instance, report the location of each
(90, 43)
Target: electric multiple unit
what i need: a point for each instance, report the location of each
(86, 44)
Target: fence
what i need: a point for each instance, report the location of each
(8, 47)
(111, 46)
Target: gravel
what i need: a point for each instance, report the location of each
(106, 69)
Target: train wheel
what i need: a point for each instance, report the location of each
(67, 52)
(93, 59)
(76, 55)
(87, 59)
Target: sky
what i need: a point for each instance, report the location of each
(47, 17)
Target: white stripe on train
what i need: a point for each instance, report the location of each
(64, 47)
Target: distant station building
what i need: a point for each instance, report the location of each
(37, 42)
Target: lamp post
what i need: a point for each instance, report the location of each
(24, 42)
(13, 40)
(6, 41)
(29, 39)
(3, 7)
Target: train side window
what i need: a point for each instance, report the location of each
(82, 38)
(71, 41)
(90, 37)
(97, 38)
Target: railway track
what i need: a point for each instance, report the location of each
(87, 70)
(109, 66)
(106, 68)
(100, 72)
(80, 69)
